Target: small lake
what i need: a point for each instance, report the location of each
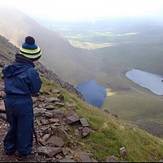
(147, 80)
(93, 93)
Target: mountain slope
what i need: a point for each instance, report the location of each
(108, 135)
(62, 58)
(7, 55)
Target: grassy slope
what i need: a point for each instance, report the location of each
(113, 133)
(135, 105)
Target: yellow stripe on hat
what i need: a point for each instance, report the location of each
(32, 56)
(30, 51)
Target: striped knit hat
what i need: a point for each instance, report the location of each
(30, 50)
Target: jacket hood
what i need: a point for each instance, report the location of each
(15, 68)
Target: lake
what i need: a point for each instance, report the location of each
(93, 93)
(147, 80)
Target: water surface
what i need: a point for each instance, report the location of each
(93, 93)
(147, 80)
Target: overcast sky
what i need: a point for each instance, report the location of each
(77, 9)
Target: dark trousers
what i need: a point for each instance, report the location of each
(19, 112)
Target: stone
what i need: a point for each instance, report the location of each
(84, 122)
(81, 156)
(71, 117)
(61, 97)
(70, 104)
(38, 111)
(48, 151)
(61, 134)
(111, 159)
(47, 92)
(55, 141)
(48, 114)
(53, 100)
(44, 121)
(85, 131)
(46, 137)
(67, 160)
(53, 120)
(42, 142)
(59, 104)
(3, 116)
(123, 152)
(2, 107)
(49, 107)
(57, 91)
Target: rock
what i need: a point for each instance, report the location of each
(2, 64)
(71, 117)
(38, 112)
(111, 159)
(61, 97)
(123, 152)
(42, 142)
(59, 104)
(105, 110)
(58, 114)
(47, 92)
(55, 141)
(115, 115)
(67, 160)
(2, 107)
(57, 91)
(34, 99)
(52, 100)
(85, 131)
(46, 137)
(80, 156)
(49, 107)
(61, 134)
(2, 94)
(48, 151)
(48, 114)
(53, 120)
(44, 121)
(70, 104)
(84, 122)
(65, 151)
(3, 116)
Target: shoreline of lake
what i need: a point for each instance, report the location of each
(153, 82)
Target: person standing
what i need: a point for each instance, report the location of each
(21, 80)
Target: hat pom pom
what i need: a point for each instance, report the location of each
(29, 40)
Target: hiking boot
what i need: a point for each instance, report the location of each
(21, 157)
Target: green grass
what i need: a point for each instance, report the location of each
(110, 134)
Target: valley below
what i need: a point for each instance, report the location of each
(114, 50)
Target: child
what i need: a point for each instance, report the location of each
(21, 81)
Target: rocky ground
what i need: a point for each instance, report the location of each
(58, 130)
(52, 140)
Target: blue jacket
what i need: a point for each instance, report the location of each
(21, 78)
